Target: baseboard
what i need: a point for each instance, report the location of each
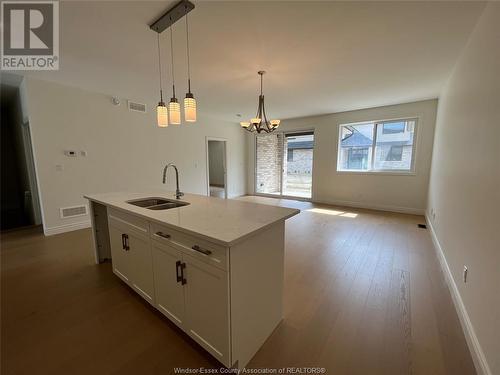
(478, 356)
(403, 210)
(66, 228)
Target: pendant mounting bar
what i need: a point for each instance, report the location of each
(174, 14)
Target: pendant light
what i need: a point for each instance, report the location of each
(260, 123)
(161, 109)
(174, 107)
(189, 100)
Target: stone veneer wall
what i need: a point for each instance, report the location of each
(269, 155)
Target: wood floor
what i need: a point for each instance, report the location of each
(363, 295)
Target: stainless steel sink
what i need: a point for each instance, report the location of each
(152, 203)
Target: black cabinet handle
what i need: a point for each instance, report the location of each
(164, 235)
(127, 246)
(123, 241)
(183, 280)
(201, 250)
(178, 270)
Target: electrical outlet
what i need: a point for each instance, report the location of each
(466, 271)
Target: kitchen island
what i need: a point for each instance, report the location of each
(214, 267)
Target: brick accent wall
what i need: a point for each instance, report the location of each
(269, 156)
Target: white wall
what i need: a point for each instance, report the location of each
(464, 189)
(216, 162)
(126, 150)
(405, 193)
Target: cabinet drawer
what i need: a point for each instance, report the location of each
(128, 222)
(198, 248)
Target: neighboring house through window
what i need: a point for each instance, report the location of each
(395, 153)
(377, 146)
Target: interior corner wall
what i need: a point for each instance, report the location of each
(392, 192)
(125, 149)
(464, 190)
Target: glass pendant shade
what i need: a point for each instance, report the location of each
(162, 115)
(275, 123)
(190, 108)
(174, 110)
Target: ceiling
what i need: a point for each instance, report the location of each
(321, 57)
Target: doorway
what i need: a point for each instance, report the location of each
(216, 167)
(284, 164)
(20, 205)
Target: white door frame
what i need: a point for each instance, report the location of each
(225, 161)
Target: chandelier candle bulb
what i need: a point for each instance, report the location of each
(244, 124)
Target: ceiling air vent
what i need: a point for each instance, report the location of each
(138, 107)
(73, 211)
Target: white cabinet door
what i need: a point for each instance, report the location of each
(119, 253)
(169, 291)
(141, 265)
(207, 310)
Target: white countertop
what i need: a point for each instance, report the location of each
(222, 221)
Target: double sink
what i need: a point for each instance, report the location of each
(153, 203)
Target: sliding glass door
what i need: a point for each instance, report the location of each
(284, 164)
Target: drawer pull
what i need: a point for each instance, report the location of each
(201, 250)
(125, 245)
(183, 279)
(178, 270)
(164, 235)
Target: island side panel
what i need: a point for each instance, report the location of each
(100, 232)
(256, 271)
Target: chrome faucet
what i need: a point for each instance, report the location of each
(178, 193)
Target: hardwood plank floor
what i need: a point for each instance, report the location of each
(364, 294)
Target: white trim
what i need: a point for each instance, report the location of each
(378, 207)
(66, 228)
(478, 356)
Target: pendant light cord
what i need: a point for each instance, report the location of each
(188, 65)
(172, 57)
(159, 68)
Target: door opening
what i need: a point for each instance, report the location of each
(216, 167)
(284, 164)
(20, 205)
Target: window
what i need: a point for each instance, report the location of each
(289, 155)
(377, 146)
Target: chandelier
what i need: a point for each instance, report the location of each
(260, 122)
